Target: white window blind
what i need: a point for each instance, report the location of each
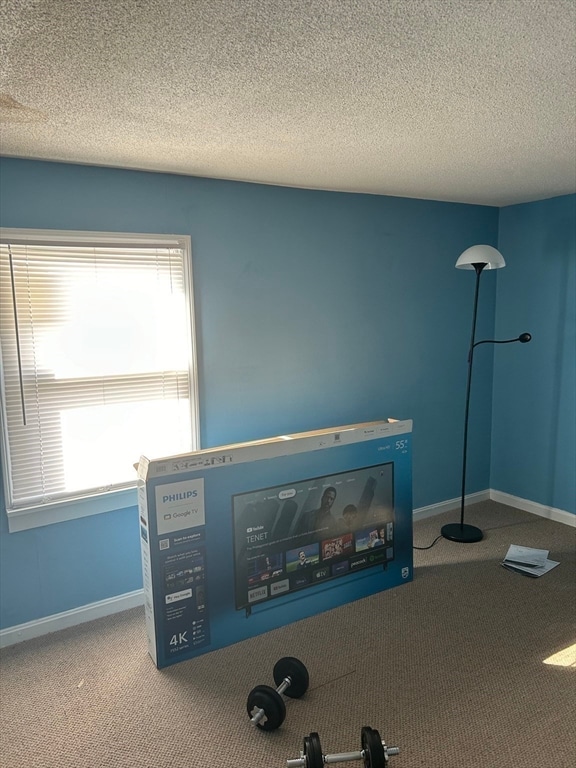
(96, 335)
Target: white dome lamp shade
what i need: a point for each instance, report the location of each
(484, 255)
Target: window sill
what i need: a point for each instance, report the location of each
(61, 511)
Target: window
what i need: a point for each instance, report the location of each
(98, 367)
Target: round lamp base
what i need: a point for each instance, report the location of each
(466, 534)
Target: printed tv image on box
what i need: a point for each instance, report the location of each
(290, 537)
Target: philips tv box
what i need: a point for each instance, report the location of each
(242, 539)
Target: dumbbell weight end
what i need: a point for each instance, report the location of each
(255, 719)
(261, 713)
(266, 706)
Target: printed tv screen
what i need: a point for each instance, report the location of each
(293, 536)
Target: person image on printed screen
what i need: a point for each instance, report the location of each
(380, 539)
(349, 518)
(317, 519)
(302, 561)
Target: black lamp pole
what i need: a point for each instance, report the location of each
(462, 532)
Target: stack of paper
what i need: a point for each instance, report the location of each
(533, 562)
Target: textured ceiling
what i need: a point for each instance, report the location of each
(461, 100)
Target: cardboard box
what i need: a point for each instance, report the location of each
(241, 539)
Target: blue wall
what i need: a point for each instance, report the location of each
(534, 414)
(314, 309)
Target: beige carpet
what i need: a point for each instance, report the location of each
(450, 668)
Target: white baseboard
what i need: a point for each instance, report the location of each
(59, 621)
(551, 513)
(446, 506)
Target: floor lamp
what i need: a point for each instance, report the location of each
(478, 258)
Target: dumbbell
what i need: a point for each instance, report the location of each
(374, 752)
(265, 704)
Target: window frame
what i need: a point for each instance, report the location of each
(82, 505)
